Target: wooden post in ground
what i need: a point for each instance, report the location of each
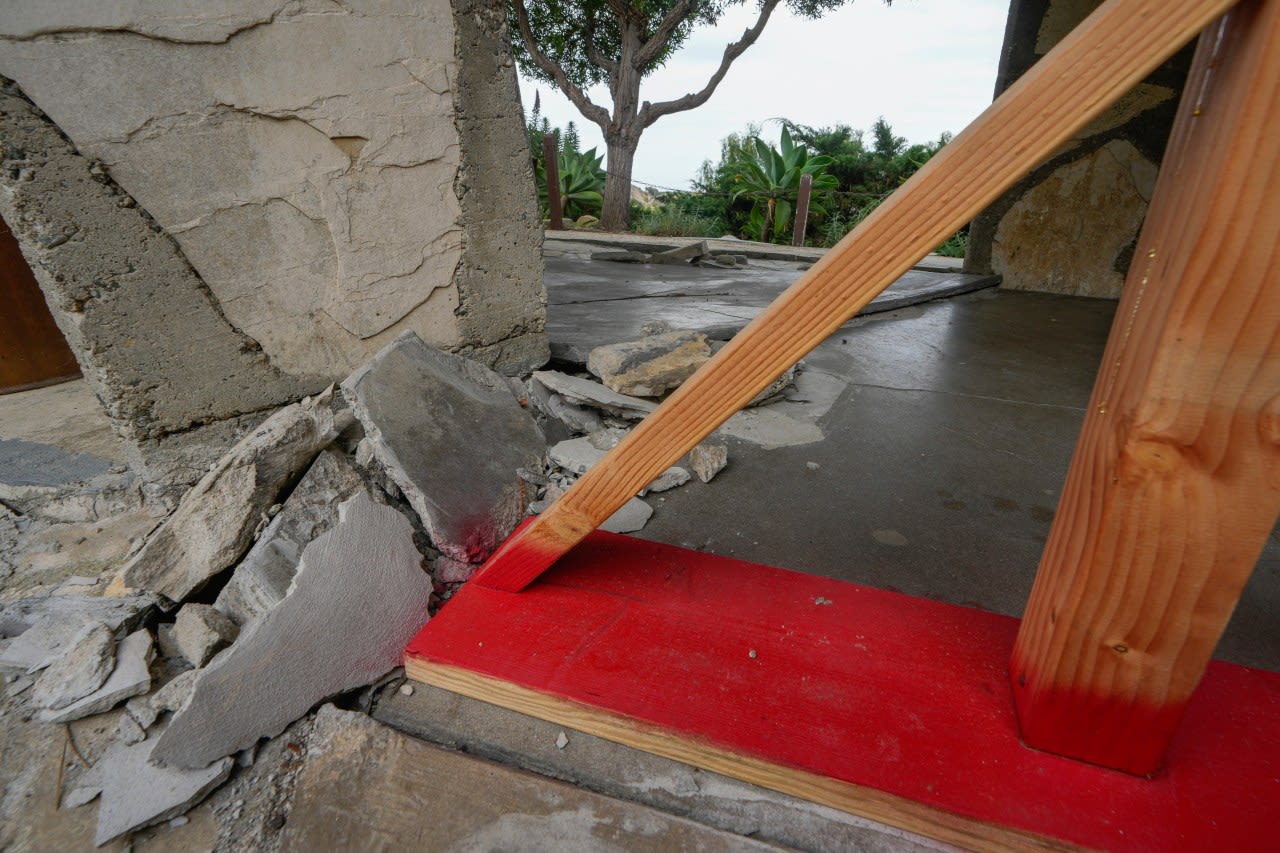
(802, 210)
(1175, 482)
(551, 168)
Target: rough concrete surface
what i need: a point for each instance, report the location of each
(79, 671)
(43, 626)
(307, 157)
(200, 631)
(452, 436)
(216, 520)
(262, 578)
(359, 596)
(152, 341)
(652, 365)
(130, 677)
(364, 781)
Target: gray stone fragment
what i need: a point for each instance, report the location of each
(606, 439)
(43, 625)
(769, 428)
(131, 677)
(622, 256)
(85, 791)
(652, 365)
(593, 394)
(263, 576)
(128, 731)
(215, 521)
(577, 418)
(81, 670)
(139, 707)
(576, 455)
(138, 793)
(175, 695)
(167, 640)
(200, 631)
(687, 252)
(669, 479)
(708, 459)
(632, 516)
(451, 435)
(358, 598)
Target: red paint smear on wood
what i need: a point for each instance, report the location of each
(901, 694)
(518, 562)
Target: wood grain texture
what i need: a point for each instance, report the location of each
(890, 707)
(1175, 481)
(1103, 58)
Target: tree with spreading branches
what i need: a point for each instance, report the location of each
(576, 44)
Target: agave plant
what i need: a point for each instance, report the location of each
(581, 182)
(771, 178)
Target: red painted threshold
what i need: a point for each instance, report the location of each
(893, 707)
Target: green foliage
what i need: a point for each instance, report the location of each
(955, 247)
(681, 215)
(770, 179)
(581, 181)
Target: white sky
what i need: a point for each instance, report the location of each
(927, 66)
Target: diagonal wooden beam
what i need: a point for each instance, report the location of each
(1175, 482)
(1106, 55)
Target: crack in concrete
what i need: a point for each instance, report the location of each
(983, 397)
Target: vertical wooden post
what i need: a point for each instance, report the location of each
(551, 168)
(802, 210)
(1175, 482)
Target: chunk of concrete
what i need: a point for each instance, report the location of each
(263, 576)
(359, 596)
(140, 709)
(138, 793)
(594, 394)
(175, 695)
(215, 522)
(669, 479)
(576, 455)
(129, 731)
(687, 252)
(43, 625)
(200, 631)
(131, 677)
(630, 517)
(769, 428)
(708, 459)
(81, 670)
(451, 435)
(651, 366)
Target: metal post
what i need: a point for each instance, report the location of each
(551, 167)
(802, 210)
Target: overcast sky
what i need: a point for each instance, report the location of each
(927, 66)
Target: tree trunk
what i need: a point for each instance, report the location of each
(616, 210)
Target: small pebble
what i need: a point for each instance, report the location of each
(180, 820)
(812, 466)
(562, 740)
(406, 689)
(752, 654)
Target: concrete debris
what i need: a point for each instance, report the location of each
(263, 576)
(175, 695)
(142, 712)
(81, 670)
(44, 625)
(86, 790)
(131, 677)
(651, 366)
(406, 689)
(669, 479)
(246, 757)
(138, 793)
(215, 522)
(200, 631)
(577, 455)
(359, 596)
(621, 256)
(769, 428)
(707, 460)
(449, 570)
(167, 640)
(576, 418)
(451, 435)
(129, 731)
(632, 516)
(594, 394)
(562, 740)
(687, 252)
(20, 684)
(606, 439)
(775, 389)
(654, 327)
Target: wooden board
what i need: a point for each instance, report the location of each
(33, 352)
(887, 706)
(1174, 486)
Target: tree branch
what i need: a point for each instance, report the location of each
(579, 98)
(594, 54)
(655, 43)
(650, 113)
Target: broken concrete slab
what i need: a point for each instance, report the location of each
(215, 521)
(708, 459)
(594, 394)
(576, 455)
(129, 731)
(138, 793)
(200, 631)
(451, 434)
(770, 428)
(263, 576)
(621, 256)
(140, 709)
(82, 669)
(671, 478)
(175, 695)
(652, 365)
(43, 625)
(360, 780)
(359, 596)
(131, 677)
(630, 517)
(687, 252)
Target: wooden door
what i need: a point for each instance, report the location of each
(32, 349)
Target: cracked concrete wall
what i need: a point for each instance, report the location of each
(1071, 225)
(311, 159)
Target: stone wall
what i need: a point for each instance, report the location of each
(1071, 225)
(335, 172)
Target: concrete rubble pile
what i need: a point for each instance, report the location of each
(303, 561)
